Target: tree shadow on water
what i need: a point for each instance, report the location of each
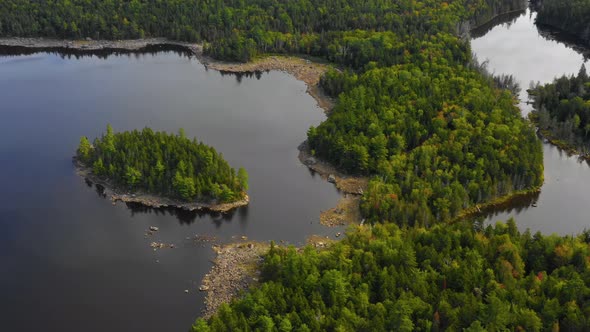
(184, 217)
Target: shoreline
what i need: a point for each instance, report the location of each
(236, 267)
(348, 184)
(546, 134)
(570, 149)
(154, 201)
(496, 204)
(347, 210)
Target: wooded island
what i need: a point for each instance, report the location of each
(163, 164)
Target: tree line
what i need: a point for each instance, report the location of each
(163, 164)
(240, 30)
(568, 15)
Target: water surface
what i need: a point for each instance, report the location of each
(71, 260)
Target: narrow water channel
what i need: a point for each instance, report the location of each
(513, 44)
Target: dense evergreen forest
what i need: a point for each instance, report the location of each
(447, 277)
(340, 30)
(164, 164)
(439, 138)
(572, 16)
(562, 110)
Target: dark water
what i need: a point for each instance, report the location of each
(515, 45)
(72, 261)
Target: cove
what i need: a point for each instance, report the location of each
(70, 259)
(513, 44)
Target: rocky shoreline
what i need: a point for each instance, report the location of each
(304, 70)
(152, 200)
(235, 268)
(348, 184)
(347, 210)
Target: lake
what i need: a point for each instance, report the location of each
(70, 259)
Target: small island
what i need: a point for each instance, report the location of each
(158, 169)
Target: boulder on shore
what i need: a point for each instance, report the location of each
(331, 178)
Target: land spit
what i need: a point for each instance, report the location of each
(236, 267)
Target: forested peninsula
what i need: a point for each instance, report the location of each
(571, 16)
(562, 111)
(160, 169)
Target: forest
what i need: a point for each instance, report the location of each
(568, 15)
(239, 30)
(460, 277)
(164, 164)
(562, 111)
(438, 139)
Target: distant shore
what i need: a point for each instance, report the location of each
(155, 201)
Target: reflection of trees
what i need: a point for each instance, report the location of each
(240, 75)
(105, 53)
(503, 19)
(183, 216)
(517, 205)
(570, 41)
